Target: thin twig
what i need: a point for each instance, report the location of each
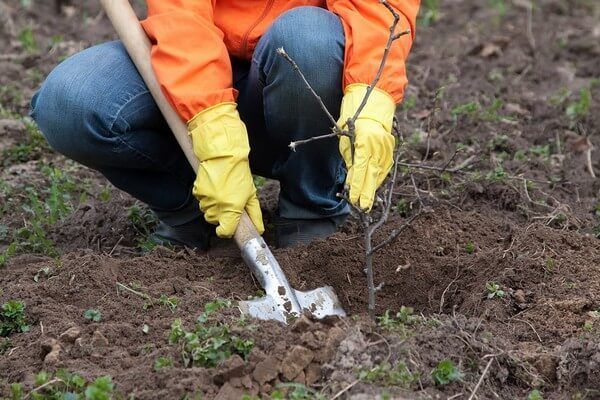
(115, 246)
(297, 143)
(140, 294)
(37, 389)
(344, 390)
(281, 52)
(480, 381)
(394, 234)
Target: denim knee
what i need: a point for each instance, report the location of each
(77, 107)
(314, 38)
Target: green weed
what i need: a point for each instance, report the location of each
(535, 395)
(400, 322)
(259, 181)
(385, 374)
(64, 385)
(446, 372)
(143, 220)
(497, 175)
(210, 342)
(429, 12)
(27, 40)
(43, 210)
(12, 318)
(470, 248)
(171, 302)
(295, 391)
(580, 108)
(162, 362)
(92, 315)
(5, 345)
(494, 290)
(29, 149)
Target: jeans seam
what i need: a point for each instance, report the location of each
(120, 110)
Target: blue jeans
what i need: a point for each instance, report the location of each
(95, 109)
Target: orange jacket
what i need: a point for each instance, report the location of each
(193, 39)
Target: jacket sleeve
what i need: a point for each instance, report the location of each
(188, 55)
(366, 26)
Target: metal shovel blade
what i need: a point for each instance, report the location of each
(281, 302)
(319, 303)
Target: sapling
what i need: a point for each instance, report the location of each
(370, 222)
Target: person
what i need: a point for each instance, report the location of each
(217, 64)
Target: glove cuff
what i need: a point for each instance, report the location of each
(219, 132)
(217, 112)
(380, 106)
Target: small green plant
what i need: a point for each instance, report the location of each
(27, 40)
(497, 175)
(259, 181)
(43, 208)
(143, 220)
(92, 315)
(549, 265)
(295, 391)
(429, 13)
(541, 151)
(5, 345)
(12, 318)
(535, 395)
(446, 372)
(105, 193)
(470, 248)
(494, 290)
(398, 323)
(209, 343)
(581, 107)
(29, 148)
(162, 362)
(588, 326)
(171, 302)
(469, 109)
(402, 207)
(64, 385)
(385, 374)
(42, 272)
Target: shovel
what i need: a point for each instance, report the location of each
(281, 302)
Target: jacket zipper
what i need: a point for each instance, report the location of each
(254, 25)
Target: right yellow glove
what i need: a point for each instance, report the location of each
(224, 185)
(373, 142)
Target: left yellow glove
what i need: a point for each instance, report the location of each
(224, 185)
(373, 144)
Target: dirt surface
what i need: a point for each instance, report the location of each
(502, 271)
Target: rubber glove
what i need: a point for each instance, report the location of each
(373, 144)
(224, 185)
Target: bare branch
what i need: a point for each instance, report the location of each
(396, 232)
(281, 52)
(297, 143)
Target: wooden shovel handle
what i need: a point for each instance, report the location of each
(138, 46)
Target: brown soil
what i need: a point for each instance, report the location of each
(536, 241)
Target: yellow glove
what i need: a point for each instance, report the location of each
(224, 185)
(373, 143)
